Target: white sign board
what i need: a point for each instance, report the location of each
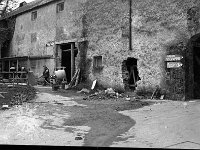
(174, 64)
(173, 57)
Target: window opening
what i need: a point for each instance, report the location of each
(33, 37)
(60, 7)
(33, 15)
(97, 62)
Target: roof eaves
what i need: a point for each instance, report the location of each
(27, 7)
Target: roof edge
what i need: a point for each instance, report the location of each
(28, 7)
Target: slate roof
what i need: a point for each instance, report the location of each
(27, 7)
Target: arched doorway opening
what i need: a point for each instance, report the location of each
(192, 72)
(196, 70)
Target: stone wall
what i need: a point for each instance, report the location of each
(31, 37)
(156, 26)
(102, 23)
(66, 26)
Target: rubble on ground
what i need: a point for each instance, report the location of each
(110, 93)
(84, 91)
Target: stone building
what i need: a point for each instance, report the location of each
(123, 44)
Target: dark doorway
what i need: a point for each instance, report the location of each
(5, 49)
(192, 68)
(66, 58)
(66, 62)
(196, 70)
(133, 77)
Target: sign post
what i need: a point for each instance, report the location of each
(174, 64)
(176, 77)
(173, 58)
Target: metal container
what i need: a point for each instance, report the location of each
(60, 74)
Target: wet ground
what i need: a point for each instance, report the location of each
(64, 118)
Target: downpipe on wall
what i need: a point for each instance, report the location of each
(130, 24)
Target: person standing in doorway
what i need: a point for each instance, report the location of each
(46, 75)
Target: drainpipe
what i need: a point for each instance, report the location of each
(130, 23)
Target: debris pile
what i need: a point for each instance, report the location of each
(105, 94)
(84, 90)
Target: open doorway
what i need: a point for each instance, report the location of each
(5, 49)
(130, 73)
(66, 58)
(192, 67)
(196, 72)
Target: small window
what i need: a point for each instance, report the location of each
(33, 37)
(97, 62)
(33, 15)
(60, 7)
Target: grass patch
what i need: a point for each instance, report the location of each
(16, 95)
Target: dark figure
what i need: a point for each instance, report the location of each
(46, 75)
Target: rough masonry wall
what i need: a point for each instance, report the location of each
(156, 26)
(43, 29)
(30, 37)
(102, 26)
(68, 26)
(159, 25)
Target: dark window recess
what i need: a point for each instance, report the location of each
(97, 62)
(33, 15)
(33, 37)
(60, 7)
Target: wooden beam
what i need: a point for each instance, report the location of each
(17, 65)
(130, 24)
(9, 65)
(28, 64)
(58, 56)
(72, 60)
(0, 49)
(71, 40)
